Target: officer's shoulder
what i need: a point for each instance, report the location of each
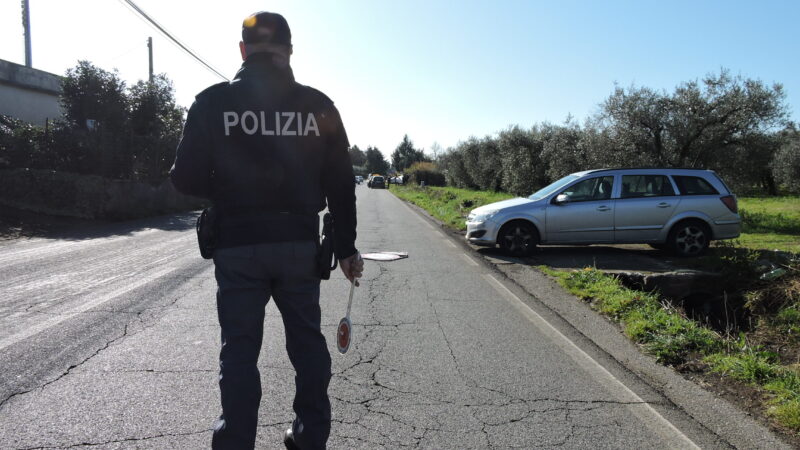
(315, 94)
(211, 90)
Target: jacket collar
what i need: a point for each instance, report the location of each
(260, 66)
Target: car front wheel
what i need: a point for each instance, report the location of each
(518, 238)
(690, 238)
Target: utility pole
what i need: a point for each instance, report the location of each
(150, 51)
(26, 26)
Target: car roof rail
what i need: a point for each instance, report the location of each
(644, 168)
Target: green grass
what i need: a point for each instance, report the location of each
(672, 339)
(787, 320)
(788, 206)
(450, 205)
(770, 241)
(663, 332)
(771, 223)
(758, 368)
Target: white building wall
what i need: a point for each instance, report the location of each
(31, 106)
(29, 94)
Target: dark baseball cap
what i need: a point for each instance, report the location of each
(266, 28)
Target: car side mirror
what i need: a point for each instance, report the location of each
(561, 199)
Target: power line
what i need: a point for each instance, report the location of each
(166, 33)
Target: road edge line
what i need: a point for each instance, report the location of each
(556, 335)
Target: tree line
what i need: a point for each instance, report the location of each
(735, 126)
(106, 129)
(372, 160)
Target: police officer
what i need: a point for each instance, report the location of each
(270, 153)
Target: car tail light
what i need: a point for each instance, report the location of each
(731, 203)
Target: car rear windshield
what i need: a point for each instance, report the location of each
(694, 186)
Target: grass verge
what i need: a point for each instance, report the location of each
(659, 328)
(674, 339)
(448, 204)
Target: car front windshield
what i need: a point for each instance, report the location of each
(552, 187)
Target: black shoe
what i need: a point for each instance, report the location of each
(288, 440)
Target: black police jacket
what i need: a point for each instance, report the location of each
(269, 153)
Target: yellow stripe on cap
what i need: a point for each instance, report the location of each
(249, 22)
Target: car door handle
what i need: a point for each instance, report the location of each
(603, 208)
(664, 205)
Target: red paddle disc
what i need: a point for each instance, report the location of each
(343, 335)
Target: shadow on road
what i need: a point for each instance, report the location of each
(16, 224)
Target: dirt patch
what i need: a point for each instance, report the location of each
(746, 397)
(786, 346)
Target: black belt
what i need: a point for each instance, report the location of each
(257, 227)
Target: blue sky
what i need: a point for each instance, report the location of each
(441, 71)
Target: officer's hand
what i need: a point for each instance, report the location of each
(352, 267)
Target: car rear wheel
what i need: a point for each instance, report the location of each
(689, 238)
(518, 238)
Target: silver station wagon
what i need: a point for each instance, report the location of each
(681, 210)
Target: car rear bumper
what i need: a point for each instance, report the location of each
(727, 229)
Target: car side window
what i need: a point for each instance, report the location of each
(694, 186)
(635, 186)
(598, 188)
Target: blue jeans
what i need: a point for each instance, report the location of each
(247, 277)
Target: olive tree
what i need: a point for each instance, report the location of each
(523, 168)
(696, 125)
(786, 164)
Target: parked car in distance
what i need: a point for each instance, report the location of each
(377, 182)
(359, 179)
(681, 210)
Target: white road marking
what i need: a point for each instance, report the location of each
(449, 242)
(469, 260)
(91, 303)
(643, 410)
(425, 222)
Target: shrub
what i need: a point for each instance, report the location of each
(427, 172)
(106, 129)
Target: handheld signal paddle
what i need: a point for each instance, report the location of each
(345, 328)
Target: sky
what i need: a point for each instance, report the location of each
(440, 71)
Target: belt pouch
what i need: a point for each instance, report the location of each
(207, 232)
(326, 260)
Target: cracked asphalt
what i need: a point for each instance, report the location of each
(109, 339)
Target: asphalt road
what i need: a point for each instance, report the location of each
(108, 338)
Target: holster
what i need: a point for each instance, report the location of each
(326, 260)
(207, 232)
